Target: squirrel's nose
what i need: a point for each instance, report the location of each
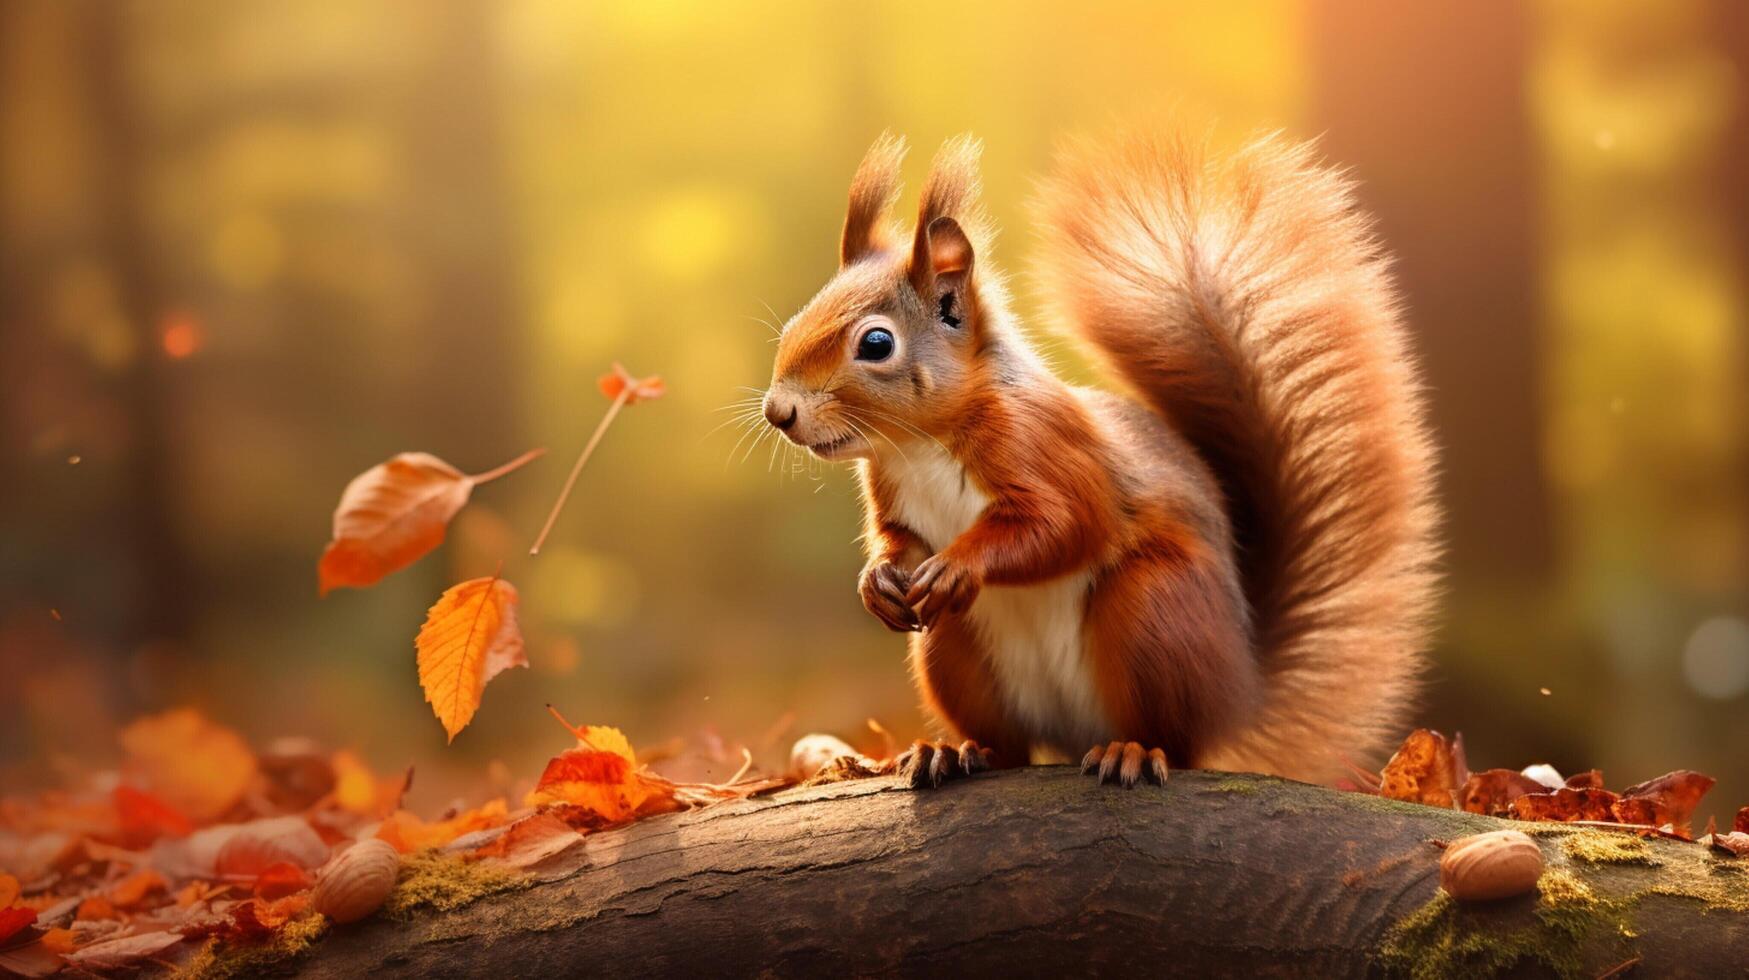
(780, 416)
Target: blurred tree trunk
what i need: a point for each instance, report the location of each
(470, 355)
(146, 505)
(1425, 101)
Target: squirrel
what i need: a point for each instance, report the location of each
(1230, 564)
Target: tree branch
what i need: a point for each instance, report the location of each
(1040, 872)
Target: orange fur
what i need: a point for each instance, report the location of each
(1250, 542)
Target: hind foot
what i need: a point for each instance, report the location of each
(1125, 762)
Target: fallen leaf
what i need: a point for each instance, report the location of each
(395, 513)
(1742, 823)
(298, 774)
(600, 776)
(533, 839)
(260, 844)
(9, 890)
(31, 959)
(145, 818)
(113, 954)
(60, 940)
(1566, 805)
(408, 833)
(135, 888)
(1424, 770)
(1492, 792)
(200, 768)
(95, 907)
(14, 919)
(280, 880)
(1674, 796)
(470, 636)
(358, 789)
(1589, 779)
(1735, 843)
(620, 381)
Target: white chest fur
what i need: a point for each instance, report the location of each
(1032, 633)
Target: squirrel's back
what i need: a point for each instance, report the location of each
(1245, 298)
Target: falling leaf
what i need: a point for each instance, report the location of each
(1424, 770)
(624, 390)
(620, 382)
(470, 636)
(1493, 791)
(1673, 797)
(396, 512)
(14, 919)
(200, 768)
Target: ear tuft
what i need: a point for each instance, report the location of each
(951, 223)
(872, 193)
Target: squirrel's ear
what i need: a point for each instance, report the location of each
(872, 193)
(950, 250)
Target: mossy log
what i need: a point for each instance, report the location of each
(1039, 872)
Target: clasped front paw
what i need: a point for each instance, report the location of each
(942, 585)
(883, 587)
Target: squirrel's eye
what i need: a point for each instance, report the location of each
(876, 345)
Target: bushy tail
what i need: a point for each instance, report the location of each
(1246, 299)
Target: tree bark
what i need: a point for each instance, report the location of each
(1033, 872)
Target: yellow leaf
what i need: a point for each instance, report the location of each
(470, 636)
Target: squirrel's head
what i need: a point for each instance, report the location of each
(891, 348)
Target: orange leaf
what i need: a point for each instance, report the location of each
(358, 790)
(600, 775)
(635, 389)
(134, 889)
(1493, 791)
(200, 768)
(14, 919)
(1673, 797)
(408, 833)
(394, 513)
(470, 636)
(95, 907)
(1424, 770)
(61, 941)
(8, 890)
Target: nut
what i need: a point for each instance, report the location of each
(1490, 866)
(812, 753)
(357, 881)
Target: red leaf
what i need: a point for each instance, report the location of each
(1493, 791)
(1566, 805)
(145, 818)
(14, 919)
(1742, 825)
(1674, 796)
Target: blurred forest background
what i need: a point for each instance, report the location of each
(249, 249)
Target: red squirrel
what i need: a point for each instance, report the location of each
(1228, 565)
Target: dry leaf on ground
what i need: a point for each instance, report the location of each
(1424, 770)
(200, 768)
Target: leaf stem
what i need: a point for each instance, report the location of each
(510, 467)
(619, 402)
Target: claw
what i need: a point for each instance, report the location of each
(929, 764)
(1125, 763)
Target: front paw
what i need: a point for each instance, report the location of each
(883, 586)
(929, 764)
(942, 586)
